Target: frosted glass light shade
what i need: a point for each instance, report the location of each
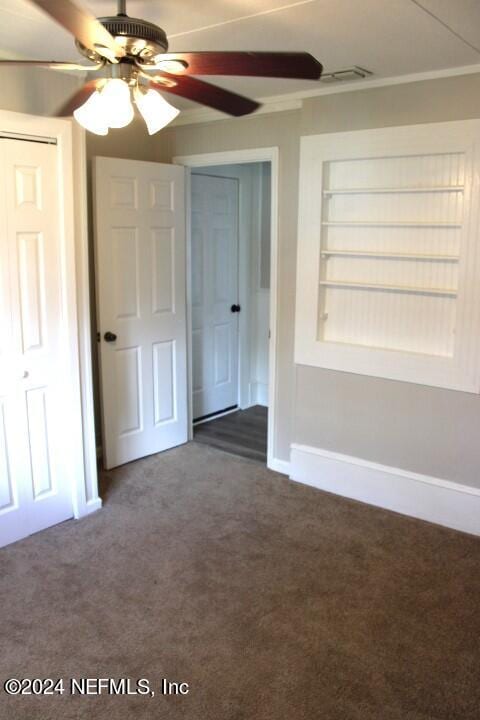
(112, 108)
(155, 110)
(117, 107)
(91, 115)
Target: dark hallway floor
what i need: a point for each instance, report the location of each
(241, 433)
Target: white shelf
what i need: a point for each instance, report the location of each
(394, 288)
(393, 191)
(388, 223)
(390, 255)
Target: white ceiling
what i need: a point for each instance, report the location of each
(388, 37)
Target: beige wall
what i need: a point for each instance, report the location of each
(36, 92)
(417, 428)
(132, 142)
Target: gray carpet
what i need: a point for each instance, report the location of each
(272, 600)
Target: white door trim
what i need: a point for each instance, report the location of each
(232, 157)
(91, 500)
(75, 290)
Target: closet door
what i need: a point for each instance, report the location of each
(214, 294)
(34, 421)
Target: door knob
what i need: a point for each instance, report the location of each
(109, 336)
(235, 308)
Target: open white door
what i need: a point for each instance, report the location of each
(36, 414)
(140, 271)
(214, 294)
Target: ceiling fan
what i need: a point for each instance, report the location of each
(129, 55)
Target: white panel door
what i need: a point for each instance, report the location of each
(214, 293)
(140, 261)
(34, 416)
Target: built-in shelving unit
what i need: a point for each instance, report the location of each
(388, 253)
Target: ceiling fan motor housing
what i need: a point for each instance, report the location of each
(141, 39)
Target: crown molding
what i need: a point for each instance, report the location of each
(294, 100)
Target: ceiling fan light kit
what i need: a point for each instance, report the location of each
(112, 105)
(130, 63)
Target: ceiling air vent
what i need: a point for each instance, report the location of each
(353, 73)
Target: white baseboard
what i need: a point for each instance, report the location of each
(421, 496)
(280, 466)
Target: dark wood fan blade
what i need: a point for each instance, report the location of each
(83, 26)
(80, 97)
(52, 65)
(205, 94)
(300, 65)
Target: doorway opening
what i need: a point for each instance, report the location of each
(230, 263)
